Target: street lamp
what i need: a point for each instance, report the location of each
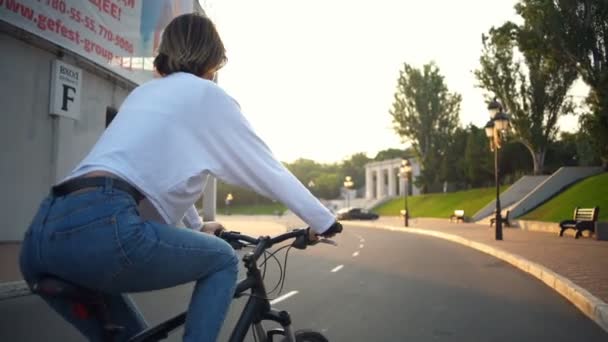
(404, 171)
(229, 199)
(496, 129)
(348, 183)
(311, 184)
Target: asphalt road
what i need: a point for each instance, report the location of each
(375, 286)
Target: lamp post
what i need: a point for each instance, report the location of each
(496, 129)
(348, 183)
(404, 172)
(229, 199)
(311, 184)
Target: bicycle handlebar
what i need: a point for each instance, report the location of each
(301, 242)
(237, 236)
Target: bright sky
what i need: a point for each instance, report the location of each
(316, 78)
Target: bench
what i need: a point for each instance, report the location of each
(458, 216)
(505, 219)
(583, 219)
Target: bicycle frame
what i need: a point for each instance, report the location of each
(257, 308)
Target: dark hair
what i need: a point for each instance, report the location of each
(190, 43)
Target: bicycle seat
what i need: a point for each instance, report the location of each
(55, 287)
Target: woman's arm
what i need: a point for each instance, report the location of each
(237, 155)
(192, 219)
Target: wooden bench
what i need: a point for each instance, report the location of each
(583, 219)
(458, 216)
(505, 219)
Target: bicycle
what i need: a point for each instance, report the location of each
(256, 310)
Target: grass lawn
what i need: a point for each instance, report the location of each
(441, 205)
(588, 193)
(260, 209)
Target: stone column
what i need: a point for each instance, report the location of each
(401, 186)
(369, 183)
(391, 182)
(415, 172)
(379, 183)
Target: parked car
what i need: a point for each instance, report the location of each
(355, 214)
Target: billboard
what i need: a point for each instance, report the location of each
(120, 35)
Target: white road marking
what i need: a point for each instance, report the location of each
(283, 297)
(337, 268)
(361, 239)
(361, 246)
(356, 253)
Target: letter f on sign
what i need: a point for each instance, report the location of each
(66, 96)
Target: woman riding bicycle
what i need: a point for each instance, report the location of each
(110, 226)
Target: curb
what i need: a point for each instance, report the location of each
(590, 305)
(14, 289)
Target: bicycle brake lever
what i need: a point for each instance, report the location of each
(236, 245)
(328, 241)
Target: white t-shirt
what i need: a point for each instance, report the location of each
(171, 133)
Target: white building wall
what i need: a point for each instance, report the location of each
(37, 149)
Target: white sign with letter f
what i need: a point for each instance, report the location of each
(66, 84)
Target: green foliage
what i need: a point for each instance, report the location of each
(533, 90)
(515, 162)
(240, 195)
(441, 205)
(305, 169)
(327, 185)
(587, 193)
(394, 153)
(355, 168)
(453, 164)
(562, 152)
(576, 32)
(425, 113)
(595, 130)
(323, 180)
(478, 161)
(586, 153)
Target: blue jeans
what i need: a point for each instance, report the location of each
(97, 239)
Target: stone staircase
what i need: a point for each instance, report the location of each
(511, 196)
(531, 191)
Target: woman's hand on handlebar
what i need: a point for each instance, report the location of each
(334, 229)
(212, 227)
(313, 238)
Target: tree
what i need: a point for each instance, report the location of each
(452, 164)
(563, 152)
(586, 153)
(355, 168)
(478, 164)
(328, 185)
(305, 169)
(533, 94)
(425, 113)
(393, 153)
(576, 31)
